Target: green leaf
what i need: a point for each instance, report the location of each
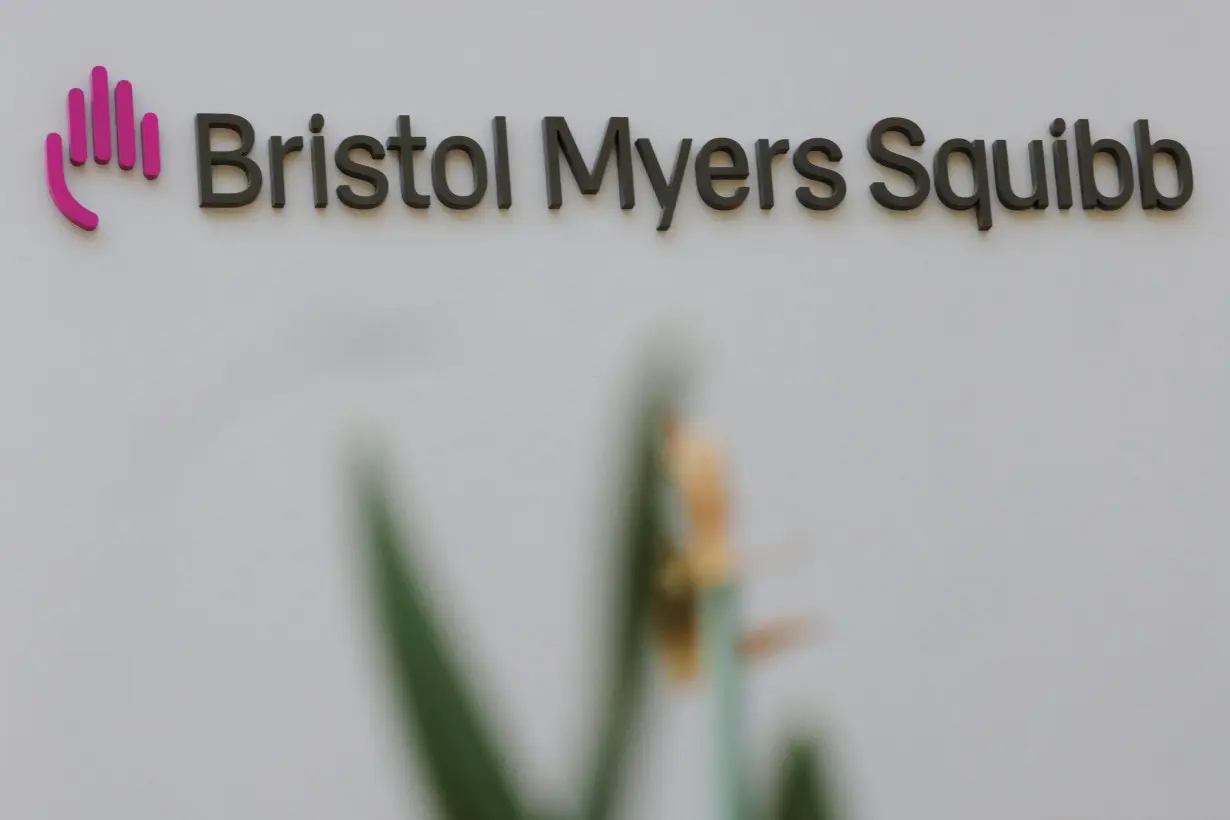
(642, 547)
(465, 771)
(805, 787)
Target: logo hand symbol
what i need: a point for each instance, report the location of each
(126, 142)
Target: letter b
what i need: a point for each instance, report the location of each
(207, 158)
(1146, 150)
(1086, 150)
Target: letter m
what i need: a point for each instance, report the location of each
(556, 135)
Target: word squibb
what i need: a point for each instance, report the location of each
(721, 159)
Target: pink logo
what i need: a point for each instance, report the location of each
(126, 142)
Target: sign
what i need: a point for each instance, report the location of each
(813, 160)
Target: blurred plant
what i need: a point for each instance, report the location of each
(465, 769)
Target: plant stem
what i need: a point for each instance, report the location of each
(719, 632)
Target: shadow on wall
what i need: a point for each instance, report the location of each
(315, 348)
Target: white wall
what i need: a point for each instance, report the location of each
(1008, 450)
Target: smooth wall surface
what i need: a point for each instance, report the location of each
(1006, 453)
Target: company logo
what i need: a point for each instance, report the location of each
(100, 135)
(967, 175)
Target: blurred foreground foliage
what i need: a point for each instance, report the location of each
(446, 725)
